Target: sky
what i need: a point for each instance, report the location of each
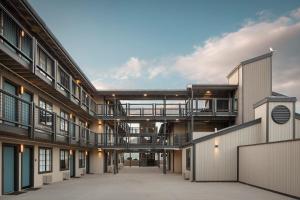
(164, 44)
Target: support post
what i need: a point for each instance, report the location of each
(164, 162)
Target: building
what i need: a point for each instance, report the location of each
(55, 125)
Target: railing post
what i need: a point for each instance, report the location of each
(55, 74)
(33, 51)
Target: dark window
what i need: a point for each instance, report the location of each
(64, 79)
(45, 113)
(81, 159)
(235, 104)
(45, 63)
(64, 159)
(64, 123)
(45, 160)
(188, 159)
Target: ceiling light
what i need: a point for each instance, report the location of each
(145, 95)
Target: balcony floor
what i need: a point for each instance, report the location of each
(144, 183)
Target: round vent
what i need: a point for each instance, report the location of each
(281, 114)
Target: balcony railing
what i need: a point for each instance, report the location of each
(22, 118)
(200, 107)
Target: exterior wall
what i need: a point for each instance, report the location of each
(220, 164)
(261, 112)
(273, 166)
(96, 162)
(233, 79)
(197, 135)
(278, 132)
(257, 84)
(177, 161)
(297, 127)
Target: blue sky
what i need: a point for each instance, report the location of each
(169, 44)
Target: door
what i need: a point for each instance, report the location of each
(9, 165)
(27, 167)
(88, 163)
(10, 103)
(72, 164)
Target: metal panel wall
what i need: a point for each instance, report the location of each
(274, 166)
(297, 131)
(220, 164)
(257, 84)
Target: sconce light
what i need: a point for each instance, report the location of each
(176, 95)
(71, 116)
(99, 150)
(113, 95)
(216, 146)
(21, 148)
(71, 152)
(99, 122)
(145, 95)
(21, 89)
(22, 33)
(77, 82)
(86, 152)
(86, 124)
(177, 120)
(147, 120)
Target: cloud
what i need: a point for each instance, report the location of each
(211, 62)
(132, 69)
(155, 71)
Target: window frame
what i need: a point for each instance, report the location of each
(64, 121)
(46, 164)
(188, 159)
(45, 112)
(82, 159)
(66, 154)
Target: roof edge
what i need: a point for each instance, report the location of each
(274, 99)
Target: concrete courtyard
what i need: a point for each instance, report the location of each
(144, 183)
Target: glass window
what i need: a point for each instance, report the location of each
(45, 113)
(44, 62)
(81, 159)
(64, 160)
(64, 79)
(45, 160)
(64, 121)
(222, 105)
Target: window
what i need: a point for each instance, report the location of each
(64, 79)
(235, 104)
(44, 62)
(64, 123)
(81, 159)
(45, 160)
(188, 159)
(85, 98)
(64, 160)
(75, 89)
(45, 113)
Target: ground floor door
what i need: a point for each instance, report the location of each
(72, 164)
(10, 169)
(88, 163)
(27, 167)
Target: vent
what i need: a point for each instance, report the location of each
(47, 179)
(281, 114)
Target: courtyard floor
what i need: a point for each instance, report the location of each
(143, 184)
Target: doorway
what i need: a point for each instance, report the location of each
(9, 168)
(72, 163)
(27, 167)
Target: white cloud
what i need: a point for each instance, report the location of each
(155, 71)
(296, 13)
(132, 69)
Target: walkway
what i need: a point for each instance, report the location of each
(144, 183)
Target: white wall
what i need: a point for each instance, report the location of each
(220, 164)
(184, 170)
(275, 166)
(197, 135)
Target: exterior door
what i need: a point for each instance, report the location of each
(88, 163)
(27, 167)
(10, 103)
(72, 164)
(9, 166)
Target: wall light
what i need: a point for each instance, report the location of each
(208, 92)
(177, 120)
(147, 120)
(86, 152)
(78, 82)
(21, 89)
(99, 122)
(86, 124)
(216, 146)
(21, 148)
(71, 152)
(145, 95)
(71, 116)
(22, 33)
(113, 95)
(99, 150)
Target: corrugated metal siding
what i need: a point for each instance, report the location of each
(184, 162)
(239, 118)
(297, 123)
(278, 132)
(220, 164)
(261, 112)
(257, 84)
(273, 166)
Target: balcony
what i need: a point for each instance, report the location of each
(23, 119)
(200, 107)
(21, 53)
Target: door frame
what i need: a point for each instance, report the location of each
(16, 166)
(74, 163)
(31, 166)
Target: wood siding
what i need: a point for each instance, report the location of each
(220, 164)
(273, 166)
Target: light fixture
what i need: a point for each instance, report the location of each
(216, 146)
(71, 152)
(21, 89)
(118, 120)
(99, 150)
(22, 33)
(71, 116)
(86, 124)
(208, 92)
(86, 96)
(21, 148)
(177, 120)
(99, 122)
(145, 95)
(147, 119)
(78, 81)
(176, 95)
(113, 95)
(86, 152)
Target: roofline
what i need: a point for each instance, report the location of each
(248, 61)
(40, 21)
(274, 99)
